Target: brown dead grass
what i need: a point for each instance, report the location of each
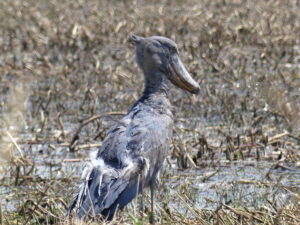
(65, 62)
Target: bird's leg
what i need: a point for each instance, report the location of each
(142, 199)
(152, 189)
(142, 206)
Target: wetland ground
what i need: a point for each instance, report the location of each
(67, 73)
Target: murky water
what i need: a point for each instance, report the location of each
(246, 183)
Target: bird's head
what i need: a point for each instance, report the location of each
(161, 54)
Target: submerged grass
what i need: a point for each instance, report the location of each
(67, 73)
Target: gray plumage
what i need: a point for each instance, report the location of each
(134, 149)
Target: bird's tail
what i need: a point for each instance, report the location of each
(105, 189)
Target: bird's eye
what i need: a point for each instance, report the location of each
(173, 50)
(149, 50)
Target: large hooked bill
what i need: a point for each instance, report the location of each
(180, 77)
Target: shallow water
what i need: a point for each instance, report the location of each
(247, 183)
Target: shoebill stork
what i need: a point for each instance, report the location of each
(134, 149)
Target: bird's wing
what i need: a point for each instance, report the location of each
(139, 134)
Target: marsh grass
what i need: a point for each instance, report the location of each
(67, 73)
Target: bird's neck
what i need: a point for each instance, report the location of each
(156, 92)
(156, 83)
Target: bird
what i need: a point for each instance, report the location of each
(135, 147)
